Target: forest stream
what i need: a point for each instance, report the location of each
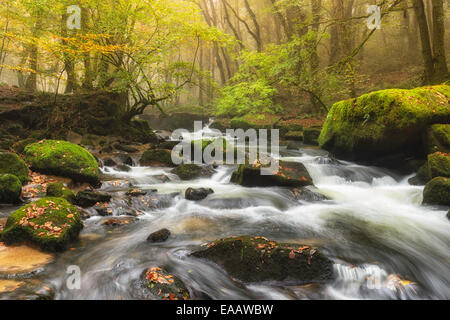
(383, 243)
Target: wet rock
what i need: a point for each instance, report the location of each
(136, 193)
(57, 189)
(151, 201)
(89, 198)
(10, 163)
(157, 158)
(198, 194)
(10, 188)
(164, 285)
(290, 174)
(294, 145)
(255, 259)
(311, 136)
(123, 158)
(192, 171)
(167, 145)
(50, 223)
(159, 236)
(62, 158)
(22, 260)
(126, 148)
(305, 194)
(437, 191)
(108, 162)
(117, 222)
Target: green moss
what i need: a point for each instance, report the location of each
(57, 189)
(64, 159)
(11, 163)
(258, 259)
(19, 146)
(10, 188)
(51, 223)
(438, 138)
(439, 165)
(157, 157)
(382, 122)
(437, 191)
(164, 285)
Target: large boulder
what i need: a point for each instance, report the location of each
(385, 122)
(11, 163)
(50, 223)
(438, 138)
(439, 165)
(62, 158)
(437, 191)
(290, 174)
(253, 259)
(10, 188)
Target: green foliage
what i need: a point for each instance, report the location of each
(62, 158)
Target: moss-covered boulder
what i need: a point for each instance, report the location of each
(10, 188)
(11, 163)
(437, 191)
(157, 158)
(290, 174)
(163, 285)
(439, 165)
(384, 122)
(311, 136)
(57, 189)
(438, 138)
(62, 158)
(51, 223)
(192, 171)
(254, 259)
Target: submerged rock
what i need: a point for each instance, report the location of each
(304, 194)
(192, 171)
(50, 223)
(164, 285)
(62, 158)
(89, 198)
(10, 188)
(159, 236)
(381, 123)
(255, 259)
(290, 174)
(11, 163)
(437, 191)
(198, 194)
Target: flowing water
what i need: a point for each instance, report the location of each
(384, 244)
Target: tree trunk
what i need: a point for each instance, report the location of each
(440, 61)
(425, 40)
